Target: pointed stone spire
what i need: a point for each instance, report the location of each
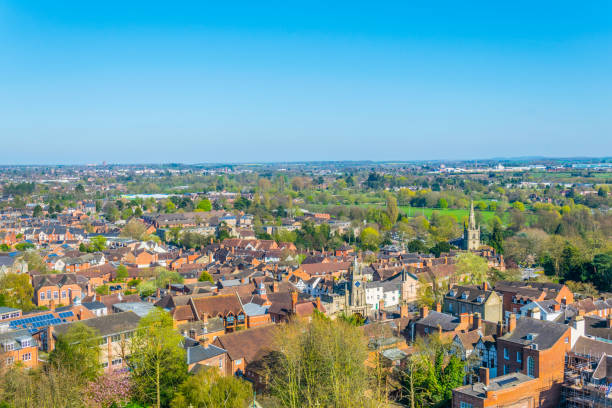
(472, 221)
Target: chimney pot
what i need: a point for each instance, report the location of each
(424, 312)
(511, 322)
(483, 373)
(438, 307)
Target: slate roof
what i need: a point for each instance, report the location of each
(197, 352)
(545, 334)
(434, 319)
(597, 327)
(471, 293)
(592, 347)
(105, 325)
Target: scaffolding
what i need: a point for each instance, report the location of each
(579, 390)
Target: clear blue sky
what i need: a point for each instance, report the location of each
(129, 81)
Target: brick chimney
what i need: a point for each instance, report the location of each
(275, 287)
(609, 321)
(500, 329)
(477, 321)
(511, 322)
(404, 310)
(485, 285)
(556, 307)
(438, 307)
(294, 300)
(50, 339)
(318, 303)
(483, 373)
(464, 320)
(424, 312)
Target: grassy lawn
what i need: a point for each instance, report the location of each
(460, 214)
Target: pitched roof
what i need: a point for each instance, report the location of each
(542, 333)
(105, 325)
(248, 344)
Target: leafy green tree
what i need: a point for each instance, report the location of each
(433, 371)
(157, 359)
(205, 277)
(417, 246)
(320, 363)
(77, 350)
(242, 204)
(602, 271)
(122, 272)
(37, 212)
(165, 277)
(391, 208)
(472, 266)
(98, 243)
(204, 205)
(439, 248)
(442, 203)
(370, 239)
(102, 290)
(17, 291)
(518, 206)
(497, 235)
(210, 389)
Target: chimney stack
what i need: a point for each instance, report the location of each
(556, 307)
(438, 307)
(609, 321)
(483, 373)
(294, 299)
(485, 285)
(500, 329)
(404, 310)
(424, 312)
(319, 303)
(464, 320)
(511, 322)
(477, 321)
(275, 287)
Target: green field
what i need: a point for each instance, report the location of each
(460, 214)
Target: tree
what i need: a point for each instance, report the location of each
(204, 205)
(157, 360)
(391, 209)
(417, 246)
(209, 389)
(102, 290)
(472, 266)
(134, 229)
(242, 204)
(98, 243)
(602, 271)
(442, 203)
(320, 363)
(205, 277)
(17, 291)
(37, 212)
(165, 277)
(370, 239)
(122, 272)
(77, 350)
(518, 206)
(433, 371)
(497, 235)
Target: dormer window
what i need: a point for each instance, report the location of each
(464, 295)
(480, 299)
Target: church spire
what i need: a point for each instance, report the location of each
(472, 221)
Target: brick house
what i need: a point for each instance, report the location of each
(58, 289)
(18, 347)
(246, 347)
(474, 299)
(518, 294)
(531, 359)
(115, 331)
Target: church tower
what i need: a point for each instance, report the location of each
(471, 233)
(358, 295)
